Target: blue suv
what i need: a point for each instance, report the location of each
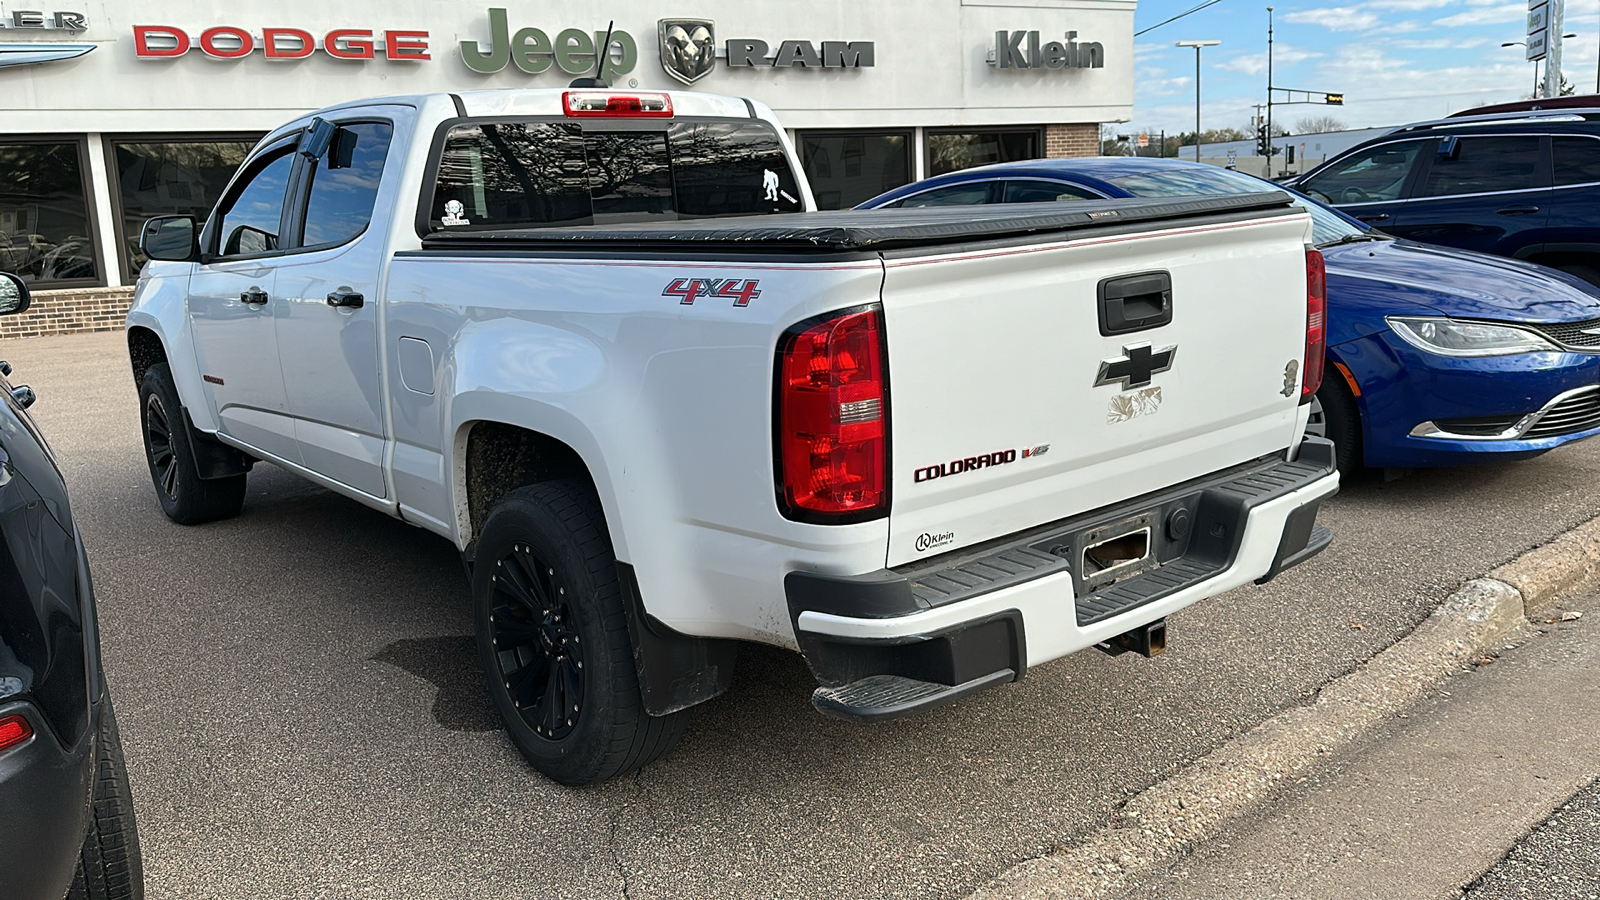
(1525, 185)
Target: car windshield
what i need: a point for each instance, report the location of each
(1326, 225)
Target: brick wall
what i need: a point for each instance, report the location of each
(70, 311)
(1072, 139)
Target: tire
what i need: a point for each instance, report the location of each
(110, 866)
(553, 633)
(1340, 422)
(185, 497)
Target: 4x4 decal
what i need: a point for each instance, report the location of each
(740, 290)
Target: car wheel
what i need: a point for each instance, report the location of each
(110, 866)
(553, 638)
(1334, 416)
(185, 497)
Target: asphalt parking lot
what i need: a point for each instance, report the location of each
(303, 716)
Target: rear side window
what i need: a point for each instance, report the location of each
(954, 195)
(1479, 165)
(541, 173)
(1373, 175)
(344, 185)
(1577, 160)
(1044, 192)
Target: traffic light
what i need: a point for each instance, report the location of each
(1263, 143)
(1335, 99)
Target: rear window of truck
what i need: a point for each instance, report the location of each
(520, 174)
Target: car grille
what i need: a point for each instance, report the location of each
(1572, 334)
(1570, 416)
(1485, 426)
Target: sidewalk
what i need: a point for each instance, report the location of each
(1431, 800)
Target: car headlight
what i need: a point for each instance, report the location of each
(1449, 337)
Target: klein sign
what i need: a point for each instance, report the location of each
(229, 42)
(1024, 50)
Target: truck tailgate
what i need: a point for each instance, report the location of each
(1011, 407)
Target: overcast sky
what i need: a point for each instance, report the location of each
(1396, 61)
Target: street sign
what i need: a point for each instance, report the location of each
(1538, 28)
(1144, 140)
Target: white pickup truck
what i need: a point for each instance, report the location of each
(602, 342)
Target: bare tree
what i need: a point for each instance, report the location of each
(1319, 125)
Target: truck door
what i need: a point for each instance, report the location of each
(232, 303)
(327, 320)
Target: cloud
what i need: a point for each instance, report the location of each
(1334, 18)
(1408, 5)
(1487, 15)
(1442, 44)
(1256, 63)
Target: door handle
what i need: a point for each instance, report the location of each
(1518, 210)
(1130, 303)
(253, 297)
(347, 299)
(1378, 217)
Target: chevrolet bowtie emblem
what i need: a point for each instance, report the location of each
(1135, 366)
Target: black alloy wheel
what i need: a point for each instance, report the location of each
(554, 640)
(158, 436)
(185, 497)
(539, 650)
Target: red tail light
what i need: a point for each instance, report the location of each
(14, 730)
(832, 441)
(598, 103)
(1316, 323)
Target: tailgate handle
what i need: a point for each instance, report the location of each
(1131, 303)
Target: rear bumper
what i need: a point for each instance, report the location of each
(962, 622)
(45, 791)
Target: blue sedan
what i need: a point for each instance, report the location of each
(1435, 356)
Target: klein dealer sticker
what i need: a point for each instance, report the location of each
(740, 290)
(927, 541)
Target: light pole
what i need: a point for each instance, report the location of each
(1197, 45)
(1269, 92)
(1536, 64)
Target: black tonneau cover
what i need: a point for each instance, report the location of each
(867, 230)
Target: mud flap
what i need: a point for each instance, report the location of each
(676, 671)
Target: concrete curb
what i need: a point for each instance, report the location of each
(1167, 819)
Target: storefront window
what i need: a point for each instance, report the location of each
(45, 233)
(170, 177)
(848, 167)
(952, 150)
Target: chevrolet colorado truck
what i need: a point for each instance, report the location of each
(603, 342)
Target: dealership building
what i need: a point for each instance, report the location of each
(112, 111)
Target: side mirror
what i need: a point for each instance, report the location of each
(170, 238)
(14, 296)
